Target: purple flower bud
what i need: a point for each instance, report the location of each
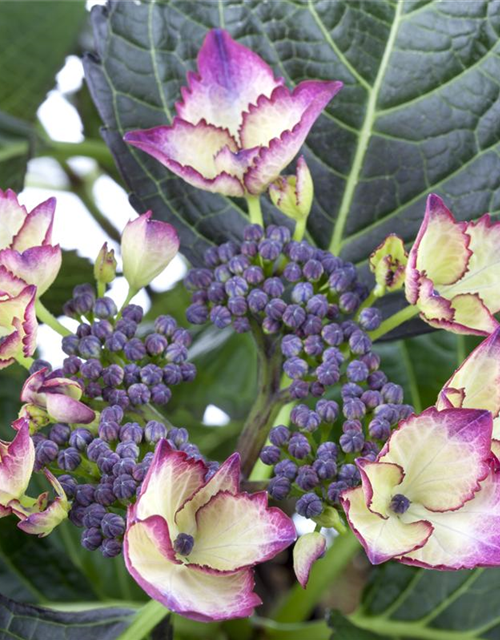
(151, 374)
(113, 525)
(326, 468)
(84, 494)
(154, 431)
(108, 431)
(335, 489)
(299, 415)
(131, 373)
(302, 292)
(128, 450)
(295, 368)
(351, 390)
(299, 389)
(112, 413)
(177, 436)
(270, 455)
(60, 433)
(191, 450)
(197, 314)
(119, 397)
(332, 334)
(198, 279)
(253, 232)
(105, 308)
(126, 326)
(351, 441)
(254, 275)
(212, 468)
(388, 412)
(124, 466)
(211, 257)
(370, 319)
(279, 487)
(279, 435)
(88, 347)
(68, 483)
(249, 248)
(278, 233)
(328, 410)
(166, 325)
(309, 505)
(46, 452)
(270, 249)
(313, 345)
(160, 394)
(312, 422)
(113, 375)
(133, 312)
(349, 302)
(370, 450)
(299, 446)
(237, 305)
(116, 342)
(292, 272)
(131, 432)
(124, 486)
(286, 468)
(76, 515)
(39, 364)
(275, 308)
(349, 473)
(352, 425)
(313, 270)
(182, 337)
(220, 317)
(83, 330)
(349, 327)
(300, 251)
(80, 438)
(376, 380)
(274, 287)
(71, 366)
(102, 330)
(291, 346)
(307, 478)
(222, 273)
(176, 353)
(93, 389)
(359, 343)
(172, 374)
(372, 360)
(357, 371)
(405, 411)
(328, 373)
(353, 409)
(392, 393)
(312, 326)
(188, 371)
(236, 286)
(317, 305)
(327, 450)
(85, 288)
(371, 399)
(199, 297)
(155, 344)
(238, 264)
(270, 326)
(83, 304)
(294, 316)
(68, 459)
(96, 448)
(70, 345)
(257, 300)
(111, 547)
(91, 538)
(93, 516)
(139, 393)
(107, 461)
(341, 279)
(227, 251)
(135, 350)
(104, 494)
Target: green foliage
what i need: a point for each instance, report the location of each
(418, 113)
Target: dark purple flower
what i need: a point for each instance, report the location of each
(309, 505)
(237, 305)
(111, 547)
(279, 487)
(254, 275)
(291, 346)
(370, 319)
(279, 435)
(275, 308)
(166, 325)
(257, 300)
(46, 452)
(328, 373)
(91, 538)
(299, 389)
(139, 393)
(113, 525)
(376, 380)
(299, 446)
(133, 312)
(68, 459)
(105, 308)
(292, 272)
(84, 494)
(313, 345)
(88, 347)
(71, 365)
(131, 432)
(270, 455)
(188, 371)
(126, 326)
(392, 393)
(60, 433)
(109, 430)
(154, 431)
(349, 473)
(359, 343)
(357, 371)
(112, 413)
(335, 489)
(286, 468)
(351, 441)
(295, 368)
(307, 478)
(332, 334)
(326, 468)
(353, 409)
(160, 394)
(124, 486)
(294, 316)
(220, 317)
(327, 450)
(115, 342)
(328, 410)
(151, 374)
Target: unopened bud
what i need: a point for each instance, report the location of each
(105, 265)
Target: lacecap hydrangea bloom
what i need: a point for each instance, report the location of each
(237, 125)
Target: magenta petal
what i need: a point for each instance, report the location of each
(230, 78)
(308, 548)
(37, 265)
(306, 102)
(37, 228)
(65, 409)
(10, 285)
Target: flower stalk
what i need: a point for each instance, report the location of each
(45, 316)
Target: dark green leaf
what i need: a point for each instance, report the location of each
(16, 142)
(418, 113)
(345, 630)
(25, 622)
(74, 270)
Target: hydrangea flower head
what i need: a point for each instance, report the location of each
(453, 269)
(237, 125)
(191, 543)
(432, 496)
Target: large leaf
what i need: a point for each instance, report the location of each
(25, 622)
(16, 143)
(419, 111)
(404, 602)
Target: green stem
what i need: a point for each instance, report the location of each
(254, 210)
(394, 321)
(95, 149)
(131, 293)
(144, 621)
(414, 630)
(51, 321)
(24, 362)
(300, 229)
(299, 602)
(372, 298)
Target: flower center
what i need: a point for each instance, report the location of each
(399, 503)
(183, 544)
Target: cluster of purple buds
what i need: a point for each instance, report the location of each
(313, 460)
(113, 358)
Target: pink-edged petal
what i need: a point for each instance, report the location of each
(444, 454)
(462, 539)
(147, 247)
(238, 531)
(172, 479)
(17, 459)
(235, 163)
(195, 594)
(189, 151)
(471, 315)
(66, 409)
(10, 285)
(37, 265)
(306, 102)
(308, 548)
(388, 263)
(31, 387)
(18, 325)
(37, 227)
(226, 478)
(476, 383)
(379, 482)
(43, 521)
(441, 249)
(433, 307)
(12, 217)
(230, 78)
(64, 386)
(382, 538)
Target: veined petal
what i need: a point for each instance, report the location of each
(303, 105)
(433, 306)
(308, 548)
(63, 408)
(16, 465)
(471, 315)
(172, 479)
(382, 538)
(10, 285)
(237, 531)
(444, 454)
(441, 249)
(199, 595)
(235, 163)
(37, 227)
(42, 522)
(230, 78)
(31, 387)
(12, 217)
(37, 265)
(462, 539)
(379, 482)
(226, 478)
(189, 151)
(18, 324)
